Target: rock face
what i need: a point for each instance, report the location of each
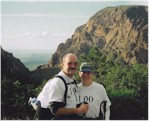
(121, 31)
(13, 68)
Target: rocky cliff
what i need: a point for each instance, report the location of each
(12, 68)
(121, 31)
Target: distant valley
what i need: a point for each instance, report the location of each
(32, 58)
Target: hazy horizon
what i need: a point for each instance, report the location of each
(32, 58)
(43, 25)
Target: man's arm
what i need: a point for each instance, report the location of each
(67, 111)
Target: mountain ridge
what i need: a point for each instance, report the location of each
(121, 30)
(12, 67)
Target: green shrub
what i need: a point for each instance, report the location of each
(126, 85)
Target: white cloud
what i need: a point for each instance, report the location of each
(60, 34)
(54, 14)
(45, 34)
(27, 34)
(43, 14)
(29, 14)
(34, 34)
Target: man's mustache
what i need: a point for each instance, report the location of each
(72, 68)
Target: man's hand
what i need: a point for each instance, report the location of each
(82, 109)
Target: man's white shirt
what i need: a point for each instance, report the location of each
(54, 90)
(94, 95)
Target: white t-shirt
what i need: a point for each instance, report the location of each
(54, 90)
(94, 95)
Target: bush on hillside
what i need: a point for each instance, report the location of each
(126, 85)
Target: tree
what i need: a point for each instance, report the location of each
(15, 95)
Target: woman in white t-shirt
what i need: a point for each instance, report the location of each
(94, 94)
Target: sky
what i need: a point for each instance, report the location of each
(44, 24)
